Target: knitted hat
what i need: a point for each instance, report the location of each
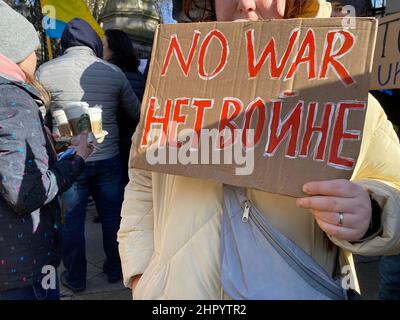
(18, 37)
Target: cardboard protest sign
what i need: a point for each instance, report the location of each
(268, 105)
(386, 70)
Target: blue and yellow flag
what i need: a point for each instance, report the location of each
(57, 13)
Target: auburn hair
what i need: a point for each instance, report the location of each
(294, 9)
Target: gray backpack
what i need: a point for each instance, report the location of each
(259, 262)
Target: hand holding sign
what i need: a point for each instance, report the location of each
(341, 208)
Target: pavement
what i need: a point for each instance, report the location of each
(98, 288)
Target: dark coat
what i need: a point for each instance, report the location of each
(31, 179)
(126, 126)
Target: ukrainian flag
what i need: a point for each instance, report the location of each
(57, 13)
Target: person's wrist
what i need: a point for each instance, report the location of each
(134, 281)
(78, 157)
(84, 154)
(375, 222)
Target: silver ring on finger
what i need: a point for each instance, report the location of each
(341, 218)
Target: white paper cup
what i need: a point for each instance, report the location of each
(62, 124)
(78, 117)
(60, 117)
(96, 120)
(76, 109)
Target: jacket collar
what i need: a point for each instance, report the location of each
(80, 50)
(10, 70)
(4, 80)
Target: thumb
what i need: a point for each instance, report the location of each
(84, 137)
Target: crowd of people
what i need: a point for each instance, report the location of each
(35, 184)
(161, 233)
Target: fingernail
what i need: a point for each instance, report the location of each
(306, 188)
(299, 202)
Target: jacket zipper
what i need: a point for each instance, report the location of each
(245, 218)
(246, 211)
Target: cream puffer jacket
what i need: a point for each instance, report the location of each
(170, 228)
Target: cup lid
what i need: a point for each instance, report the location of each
(76, 104)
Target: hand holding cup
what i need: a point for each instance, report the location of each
(83, 148)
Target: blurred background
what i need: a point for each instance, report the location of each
(140, 18)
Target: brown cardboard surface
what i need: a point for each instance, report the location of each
(386, 69)
(276, 102)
